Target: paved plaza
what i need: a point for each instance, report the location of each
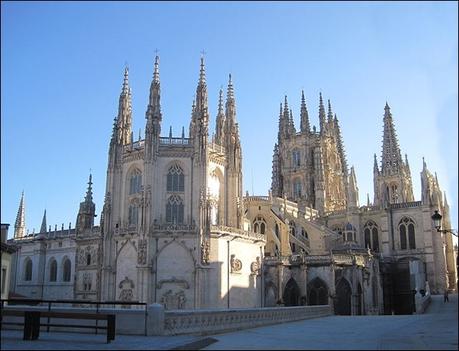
(437, 329)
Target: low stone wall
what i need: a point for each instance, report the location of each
(215, 321)
(157, 321)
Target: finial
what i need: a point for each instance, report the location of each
(424, 165)
(183, 132)
(88, 197)
(170, 131)
(140, 130)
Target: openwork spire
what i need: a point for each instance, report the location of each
(202, 72)
(125, 89)
(304, 124)
(220, 122)
(230, 92)
(156, 70)
(19, 226)
(391, 157)
(88, 197)
(321, 114)
(124, 118)
(330, 113)
(43, 223)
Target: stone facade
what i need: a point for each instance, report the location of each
(175, 228)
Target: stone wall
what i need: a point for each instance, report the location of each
(157, 321)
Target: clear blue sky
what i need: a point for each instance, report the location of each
(62, 66)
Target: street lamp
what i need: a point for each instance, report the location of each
(436, 217)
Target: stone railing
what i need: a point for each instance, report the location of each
(174, 141)
(221, 229)
(175, 227)
(216, 148)
(256, 198)
(219, 320)
(406, 204)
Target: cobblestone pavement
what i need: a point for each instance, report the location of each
(435, 330)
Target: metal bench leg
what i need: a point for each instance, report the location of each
(111, 327)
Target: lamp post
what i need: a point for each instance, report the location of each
(436, 217)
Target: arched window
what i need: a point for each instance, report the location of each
(133, 216)
(349, 232)
(53, 270)
(339, 230)
(406, 226)
(259, 225)
(88, 259)
(304, 232)
(371, 236)
(297, 188)
(296, 158)
(175, 179)
(135, 182)
(174, 210)
(66, 270)
(276, 230)
(293, 247)
(28, 269)
(292, 227)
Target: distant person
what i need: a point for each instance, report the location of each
(445, 296)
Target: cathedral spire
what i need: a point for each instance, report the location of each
(305, 127)
(220, 122)
(88, 197)
(19, 226)
(375, 165)
(321, 114)
(391, 157)
(292, 124)
(87, 212)
(341, 151)
(330, 113)
(353, 193)
(43, 223)
(124, 119)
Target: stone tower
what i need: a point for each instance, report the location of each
(392, 183)
(310, 167)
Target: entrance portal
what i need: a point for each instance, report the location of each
(291, 295)
(343, 298)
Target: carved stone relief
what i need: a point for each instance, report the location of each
(255, 266)
(205, 252)
(173, 280)
(142, 253)
(173, 301)
(126, 286)
(236, 264)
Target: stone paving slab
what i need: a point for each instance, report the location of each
(437, 329)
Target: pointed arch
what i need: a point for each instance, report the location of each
(407, 233)
(66, 269)
(52, 268)
(28, 266)
(291, 296)
(317, 292)
(343, 297)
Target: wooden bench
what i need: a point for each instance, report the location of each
(32, 321)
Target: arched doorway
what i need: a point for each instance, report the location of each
(317, 292)
(291, 295)
(343, 298)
